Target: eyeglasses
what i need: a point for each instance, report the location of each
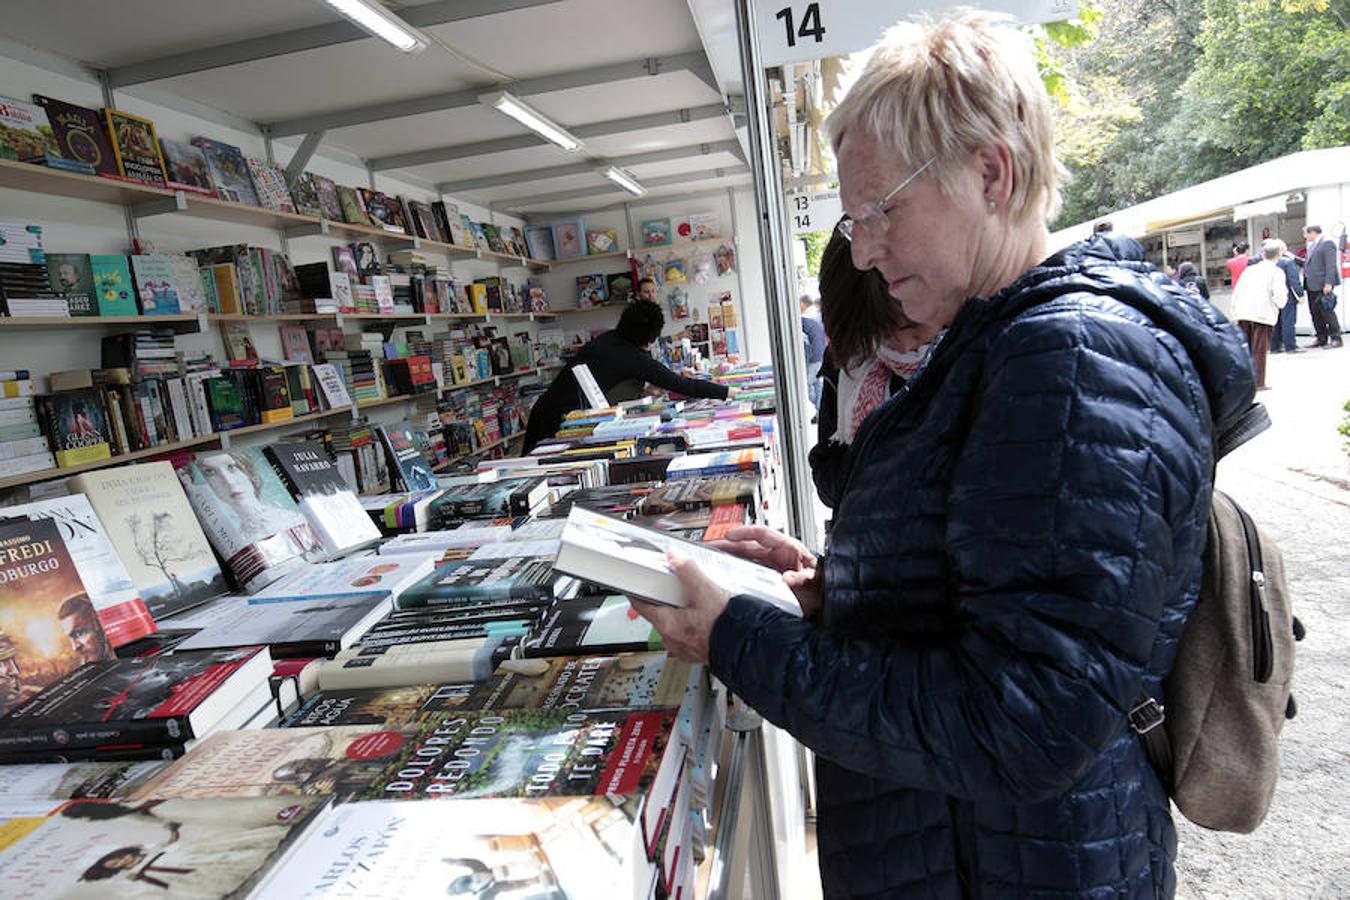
(873, 215)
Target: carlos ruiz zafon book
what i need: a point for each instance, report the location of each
(155, 533)
(157, 699)
(48, 626)
(329, 506)
(121, 611)
(248, 515)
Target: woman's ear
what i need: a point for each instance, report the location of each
(995, 165)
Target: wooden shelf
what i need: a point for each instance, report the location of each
(483, 449)
(617, 254)
(47, 474)
(98, 321)
(43, 180)
(570, 310)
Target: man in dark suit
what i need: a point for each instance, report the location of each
(1321, 274)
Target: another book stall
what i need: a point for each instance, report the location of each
(237, 675)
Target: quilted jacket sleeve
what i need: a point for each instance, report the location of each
(1075, 514)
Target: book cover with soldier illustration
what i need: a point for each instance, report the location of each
(48, 626)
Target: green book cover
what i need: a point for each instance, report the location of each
(71, 276)
(226, 403)
(112, 285)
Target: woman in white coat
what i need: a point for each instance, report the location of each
(1257, 300)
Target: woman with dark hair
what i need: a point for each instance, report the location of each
(1189, 277)
(862, 369)
(622, 364)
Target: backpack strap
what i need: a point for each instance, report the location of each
(1146, 719)
(1253, 420)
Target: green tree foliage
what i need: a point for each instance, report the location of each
(1174, 92)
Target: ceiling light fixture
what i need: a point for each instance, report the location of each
(379, 21)
(531, 118)
(624, 180)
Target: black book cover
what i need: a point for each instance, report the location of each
(377, 706)
(79, 134)
(146, 700)
(76, 426)
(467, 583)
(404, 458)
(305, 468)
(597, 624)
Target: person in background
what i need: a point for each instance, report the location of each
(648, 289)
(1321, 274)
(1283, 339)
(1189, 277)
(1238, 263)
(874, 348)
(1018, 540)
(1257, 302)
(622, 364)
(813, 346)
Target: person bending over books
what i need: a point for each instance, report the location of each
(622, 364)
(1017, 542)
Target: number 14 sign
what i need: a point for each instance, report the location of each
(799, 31)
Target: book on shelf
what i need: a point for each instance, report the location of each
(48, 626)
(189, 284)
(353, 206)
(155, 533)
(305, 195)
(163, 699)
(186, 166)
(211, 848)
(156, 285)
(301, 628)
(329, 204)
(75, 425)
(248, 515)
(25, 135)
(411, 467)
(72, 277)
(229, 172)
(601, 240)
(467, 583)
(323, 496)
(628, 558)
(269, 182)
(120, 609)
(80, 134)
(135, 147)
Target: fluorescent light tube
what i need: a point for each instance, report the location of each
(531, 118)
(373, 17)
(624, 180)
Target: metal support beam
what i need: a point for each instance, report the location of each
(523, 141)
(301, 39)
(609, 187)
(303, 154)
(638, 202)
(416, 106)
(582, 168)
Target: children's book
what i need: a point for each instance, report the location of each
(539, 242)
(186, 167)
(156, 289)
(229, 171)
(270, 184)
(591, 291)
(655, 232)
(136, 147)
(602, 240)
(569, 239)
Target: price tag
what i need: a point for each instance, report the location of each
(356, 414)
(818, 211)
(798, 31)
(201, 322)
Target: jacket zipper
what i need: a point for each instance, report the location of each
(964, 839)
(1263, 646)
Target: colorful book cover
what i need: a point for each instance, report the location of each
(569, 239)
(155, 533)
(48, 626)
(229, 171)
(329, 203)
(618, 681)
(73, 278)
(156, 290)
(591, 291)
(24, 132)
(120, 609)
(380, 209)
(270, 184)
(454, 222)
(539, 242)
(704, 226)
(602, 240)
(248, 515)
(494, 238)
(655, 232)
(619, 287)
(238, 342)
(480, 238)
(80, 134)
(413, 470)
(305, 195)
(157, 699)
(353, 206)
(376, 706)
(187, 168)
(135, 147)
(187, 284)
(174, 849)
(76, 426)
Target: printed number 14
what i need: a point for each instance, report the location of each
(810, 26)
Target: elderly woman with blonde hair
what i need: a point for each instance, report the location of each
(1017, 540)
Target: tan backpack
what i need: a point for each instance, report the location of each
(1213, 742)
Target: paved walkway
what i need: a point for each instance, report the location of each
(1295, 480)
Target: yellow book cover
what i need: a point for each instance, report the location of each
(271, 416)
(478, 297)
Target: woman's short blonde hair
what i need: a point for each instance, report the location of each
(943, 87)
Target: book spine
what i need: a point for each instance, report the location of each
(15, 739)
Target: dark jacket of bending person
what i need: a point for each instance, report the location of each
(622, 364)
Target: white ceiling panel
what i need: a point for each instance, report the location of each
(469, 124)
(578, 34)
(691, 164)
(634, 97)
(605, 198)
(105, 33)
(706, 131)
(533, 188)
(522, 161)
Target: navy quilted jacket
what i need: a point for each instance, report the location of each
(1016, 549)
